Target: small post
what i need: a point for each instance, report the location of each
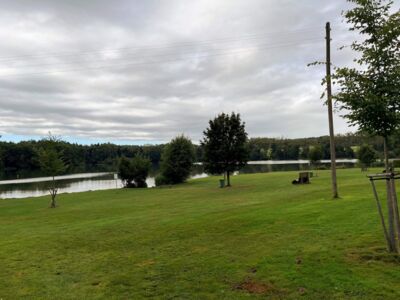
(395, 210)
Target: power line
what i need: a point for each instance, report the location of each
(264, 47)
(152, 55)
(158, 47)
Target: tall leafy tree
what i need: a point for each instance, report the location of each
(225, 145)
(369, 93)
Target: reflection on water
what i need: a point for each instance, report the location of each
(36, 187)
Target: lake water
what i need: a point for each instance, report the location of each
(35, 187)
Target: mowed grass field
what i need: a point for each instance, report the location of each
(261, 239)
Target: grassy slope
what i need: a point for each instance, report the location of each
(196, 241)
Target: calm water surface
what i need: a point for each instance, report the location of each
(35, 187)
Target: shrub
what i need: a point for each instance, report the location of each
(160, 180)
(133, 172)
(177, 160)
(366, 155)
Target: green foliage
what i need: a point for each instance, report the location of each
(177, 160)
(160, 180)
(133, 172)
(370, 94)
(21, 158)
(366, 156)
(315, 154)
(225, 145)
(50, 162)
(125, 172)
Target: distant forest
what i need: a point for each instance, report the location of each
(20, 159)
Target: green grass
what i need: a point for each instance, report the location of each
(262, 238)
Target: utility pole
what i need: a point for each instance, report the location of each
(330, 110)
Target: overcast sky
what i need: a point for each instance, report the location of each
(145, 71)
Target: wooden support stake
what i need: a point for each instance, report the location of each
(381, 216)
(395, 212)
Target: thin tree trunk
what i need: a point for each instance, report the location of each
(53, 200)
(53, 193)
(228, 178)
(392, 234)
(386, 155)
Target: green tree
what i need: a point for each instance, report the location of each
(52, 164)
(366, 155)
(176, 161)
(369, 93)
(225, 145)
(134, 172)
(315, 155)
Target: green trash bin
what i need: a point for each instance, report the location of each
(222, 183)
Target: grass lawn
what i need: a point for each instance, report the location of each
(262, 238)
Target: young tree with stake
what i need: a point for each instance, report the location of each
(370, 93)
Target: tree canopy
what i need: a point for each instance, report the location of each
(366, 156)
(225, 145)
(133, 172)
(369, 93)
(176, 161)
(315, 154)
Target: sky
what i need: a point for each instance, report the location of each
(142, 72)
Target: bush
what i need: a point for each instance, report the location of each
(133, 172)
(315, 154)
(366, 155)
(160, 180)
(177, 160)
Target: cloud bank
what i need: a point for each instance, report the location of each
(145, 71)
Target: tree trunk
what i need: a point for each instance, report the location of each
(386, 155)
(53, 193)
(228, 178)
(390, 204)
(53, 200)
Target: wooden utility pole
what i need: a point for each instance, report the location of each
(330, 110)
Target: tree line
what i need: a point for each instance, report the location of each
(22, 160)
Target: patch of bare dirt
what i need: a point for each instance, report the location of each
(254, 287)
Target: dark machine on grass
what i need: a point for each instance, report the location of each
(304, 178)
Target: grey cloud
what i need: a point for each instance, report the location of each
(149, 70)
